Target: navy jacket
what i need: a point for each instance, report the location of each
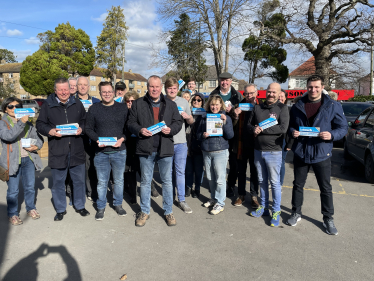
(330, 118)
(215, 143)
(52, 114)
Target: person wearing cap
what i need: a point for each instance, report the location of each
(121, 90)
(231, 98)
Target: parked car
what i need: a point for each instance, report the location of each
(31, 103)
(358, 142)
(353, 109)
(40, 101)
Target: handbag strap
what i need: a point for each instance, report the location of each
(8, 145)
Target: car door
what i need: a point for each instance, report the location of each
(366, 136)
(354, 133)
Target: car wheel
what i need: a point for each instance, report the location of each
(369, 168)
(347, 156)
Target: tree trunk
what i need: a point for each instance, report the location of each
(323, 65)
(252, 80)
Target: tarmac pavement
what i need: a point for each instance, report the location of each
(229, 246)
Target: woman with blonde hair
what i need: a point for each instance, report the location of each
(216, 153)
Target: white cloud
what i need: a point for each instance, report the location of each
(14, 32)
(21, 54)
(32, 41)
(101, 18)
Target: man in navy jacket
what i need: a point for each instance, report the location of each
(315, 110)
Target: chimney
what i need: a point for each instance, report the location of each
(130, 71)
(3, 62)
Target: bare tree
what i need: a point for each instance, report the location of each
(220, 21)
(327, 29)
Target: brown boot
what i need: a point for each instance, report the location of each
(239, 201)
(255, 203)
(170, 220)
(141, 219)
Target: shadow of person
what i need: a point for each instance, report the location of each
(4, 229)
(26, 268)
(285, 217)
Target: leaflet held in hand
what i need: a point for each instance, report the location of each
(198, 111)
(86, 104)
(119, 99)
(246, 106)
(157, 128)
(309, 131)
(28, 142)
(181, 83)
(268, 123)
(68, 129)
(214, 125)
(180, 109)
(107, 141)
(20, 112)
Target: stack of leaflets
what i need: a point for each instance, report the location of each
(86, 104)
(180, 109)
(157, 128)
(246, 106)
(119, 99)
(107, 141)
(198, 111)
(28, 142)
(214, 125)
(268, 123)
(228, 103)
(20, 112)
(68, 129)
(309, 131)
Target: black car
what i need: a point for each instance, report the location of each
(353, 109)
(358, 142)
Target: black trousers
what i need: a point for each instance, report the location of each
(322, 171)
(233, 173)
(248, 157)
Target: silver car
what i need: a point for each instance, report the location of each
(31, 103)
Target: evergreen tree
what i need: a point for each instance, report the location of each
(7, 55)
(111, 42)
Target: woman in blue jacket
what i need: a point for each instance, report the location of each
(216, 152)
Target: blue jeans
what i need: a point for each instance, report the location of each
(215, 167)
(104, 163)
(283, 167)
(147, 164)
(195, 165)
(26, 171)
(78, 177)
(179, 168)
(268, 164)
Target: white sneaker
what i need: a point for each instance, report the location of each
(217, 209)
(210, 203)
(185, 208)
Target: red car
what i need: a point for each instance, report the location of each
(40, 101)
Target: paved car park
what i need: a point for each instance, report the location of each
(229, 246)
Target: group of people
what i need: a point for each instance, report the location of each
(183, 149)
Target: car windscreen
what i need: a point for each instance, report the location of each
(354, 109)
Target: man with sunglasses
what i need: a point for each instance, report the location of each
(243, 148)
(66, 153)
(232, 98)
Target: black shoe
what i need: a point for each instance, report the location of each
(100, 214)
(59, 216)
(187, 192)
(230, 192)
(120, 211)
(195, 193)
(154, 191)
(83, 212)
(132, 201)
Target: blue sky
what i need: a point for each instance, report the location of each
(18, 18)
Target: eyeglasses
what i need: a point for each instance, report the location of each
(251, 93)
(110, 92)
(128, 101)
(11, 106)
(197, 100)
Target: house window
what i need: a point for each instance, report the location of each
(23, 97)
(300, 83)
(102, 79)
(93, 88)
(92, 78)
(139, 83)
(20, 87)
(212, 83)
(138, 91)
(10, 75)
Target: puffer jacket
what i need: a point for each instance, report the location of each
(11, 137)
(215, 143)
(330, 118)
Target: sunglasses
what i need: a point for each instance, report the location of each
(128, 101)
(198, 100)
(11, 106)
